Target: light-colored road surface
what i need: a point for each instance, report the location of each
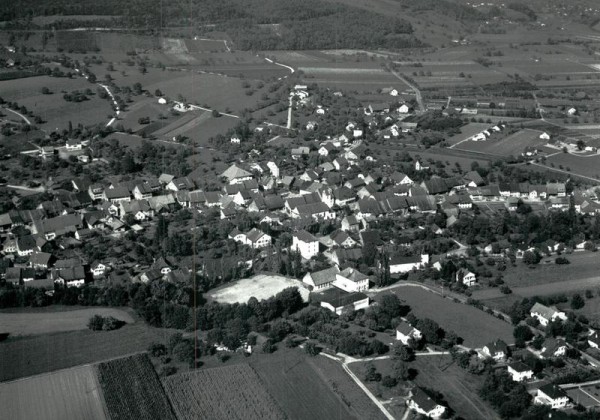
(23, 117)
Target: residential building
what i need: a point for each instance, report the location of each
(422, 403)
(546, 314)
(551, 395)
(519, 371)
(306, 244)
(466, 277)
(321, 280)
(406, 332)
(351, 280)
(497, 350)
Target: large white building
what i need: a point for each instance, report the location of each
(351, 280)
(306, 244)
(546, 314)
(552, 396)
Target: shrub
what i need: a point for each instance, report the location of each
(157, 349)
(95, 323)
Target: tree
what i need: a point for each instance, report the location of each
(577, 301)
(383, 272)
(157, 349)
(522, 334)
(371, 374)
(531, 257)
(268, 346)
(46, 91)
(389, 381)
(431, 330)
(311, 348)
(404, 353)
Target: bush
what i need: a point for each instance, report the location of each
(389, 381)
(561, 260)
(95, 323)
(505, 289)
(157, 349)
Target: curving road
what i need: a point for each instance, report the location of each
(413, 87)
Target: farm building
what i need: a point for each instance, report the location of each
(400, 264)
(546, 314)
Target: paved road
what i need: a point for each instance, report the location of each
(413, 87)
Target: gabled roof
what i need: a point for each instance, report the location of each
(519, 367)
(324, 276)
(543, 310)
(497, 347)
(405, 328)
(353, 275)
(552, 391)
(304, 236)
(423, 400)
(119, 191)
(235, 172)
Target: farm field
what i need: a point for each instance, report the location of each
(451, 316)
(228, 392)
(512, 145)
(361, 79)
(132, 389)
(261, 286)
(22, 357)
(581, 165)
(46, 323)
(467, 132)
(65, 394)
(53, 108)
(352, 395)
(296, 385)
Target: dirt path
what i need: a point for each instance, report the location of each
(23, 117)
(413, 87)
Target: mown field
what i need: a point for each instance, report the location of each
(298, 387)
(66, 394)
(260, 286)
(581, 165)
(47, 323)
(480, 328)
(228, 392)
(132, 389)
(29, 356)
(53, 108)
(513, 144)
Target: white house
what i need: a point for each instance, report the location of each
(405, 332)
(422, 403)
(403, 109)
(466, 277)
(553, 347)
(235, 140)
(273, 168)
(321, 280)
(571, 111)
(255, 238)
(306, 244)
(545, 136)
(98, 269)
(497, 350)
(351, 280)
(546, 314)
(519, 371)
(552, 396)
(399, 264)
(594, 340)
(73, 144)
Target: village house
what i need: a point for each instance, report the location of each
(466, 277)
(546, 314)
(422, 403)
(551, 395)
(497, 350)
(553, 347)
(519, 371)
(406, 332)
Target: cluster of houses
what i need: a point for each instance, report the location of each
(547, 394)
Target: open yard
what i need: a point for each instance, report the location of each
(228, 392)
(474, 326)
(45, 323)
(46, 353)
(588, 396)
(299, 388)
(65, 394)
(261, 286)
